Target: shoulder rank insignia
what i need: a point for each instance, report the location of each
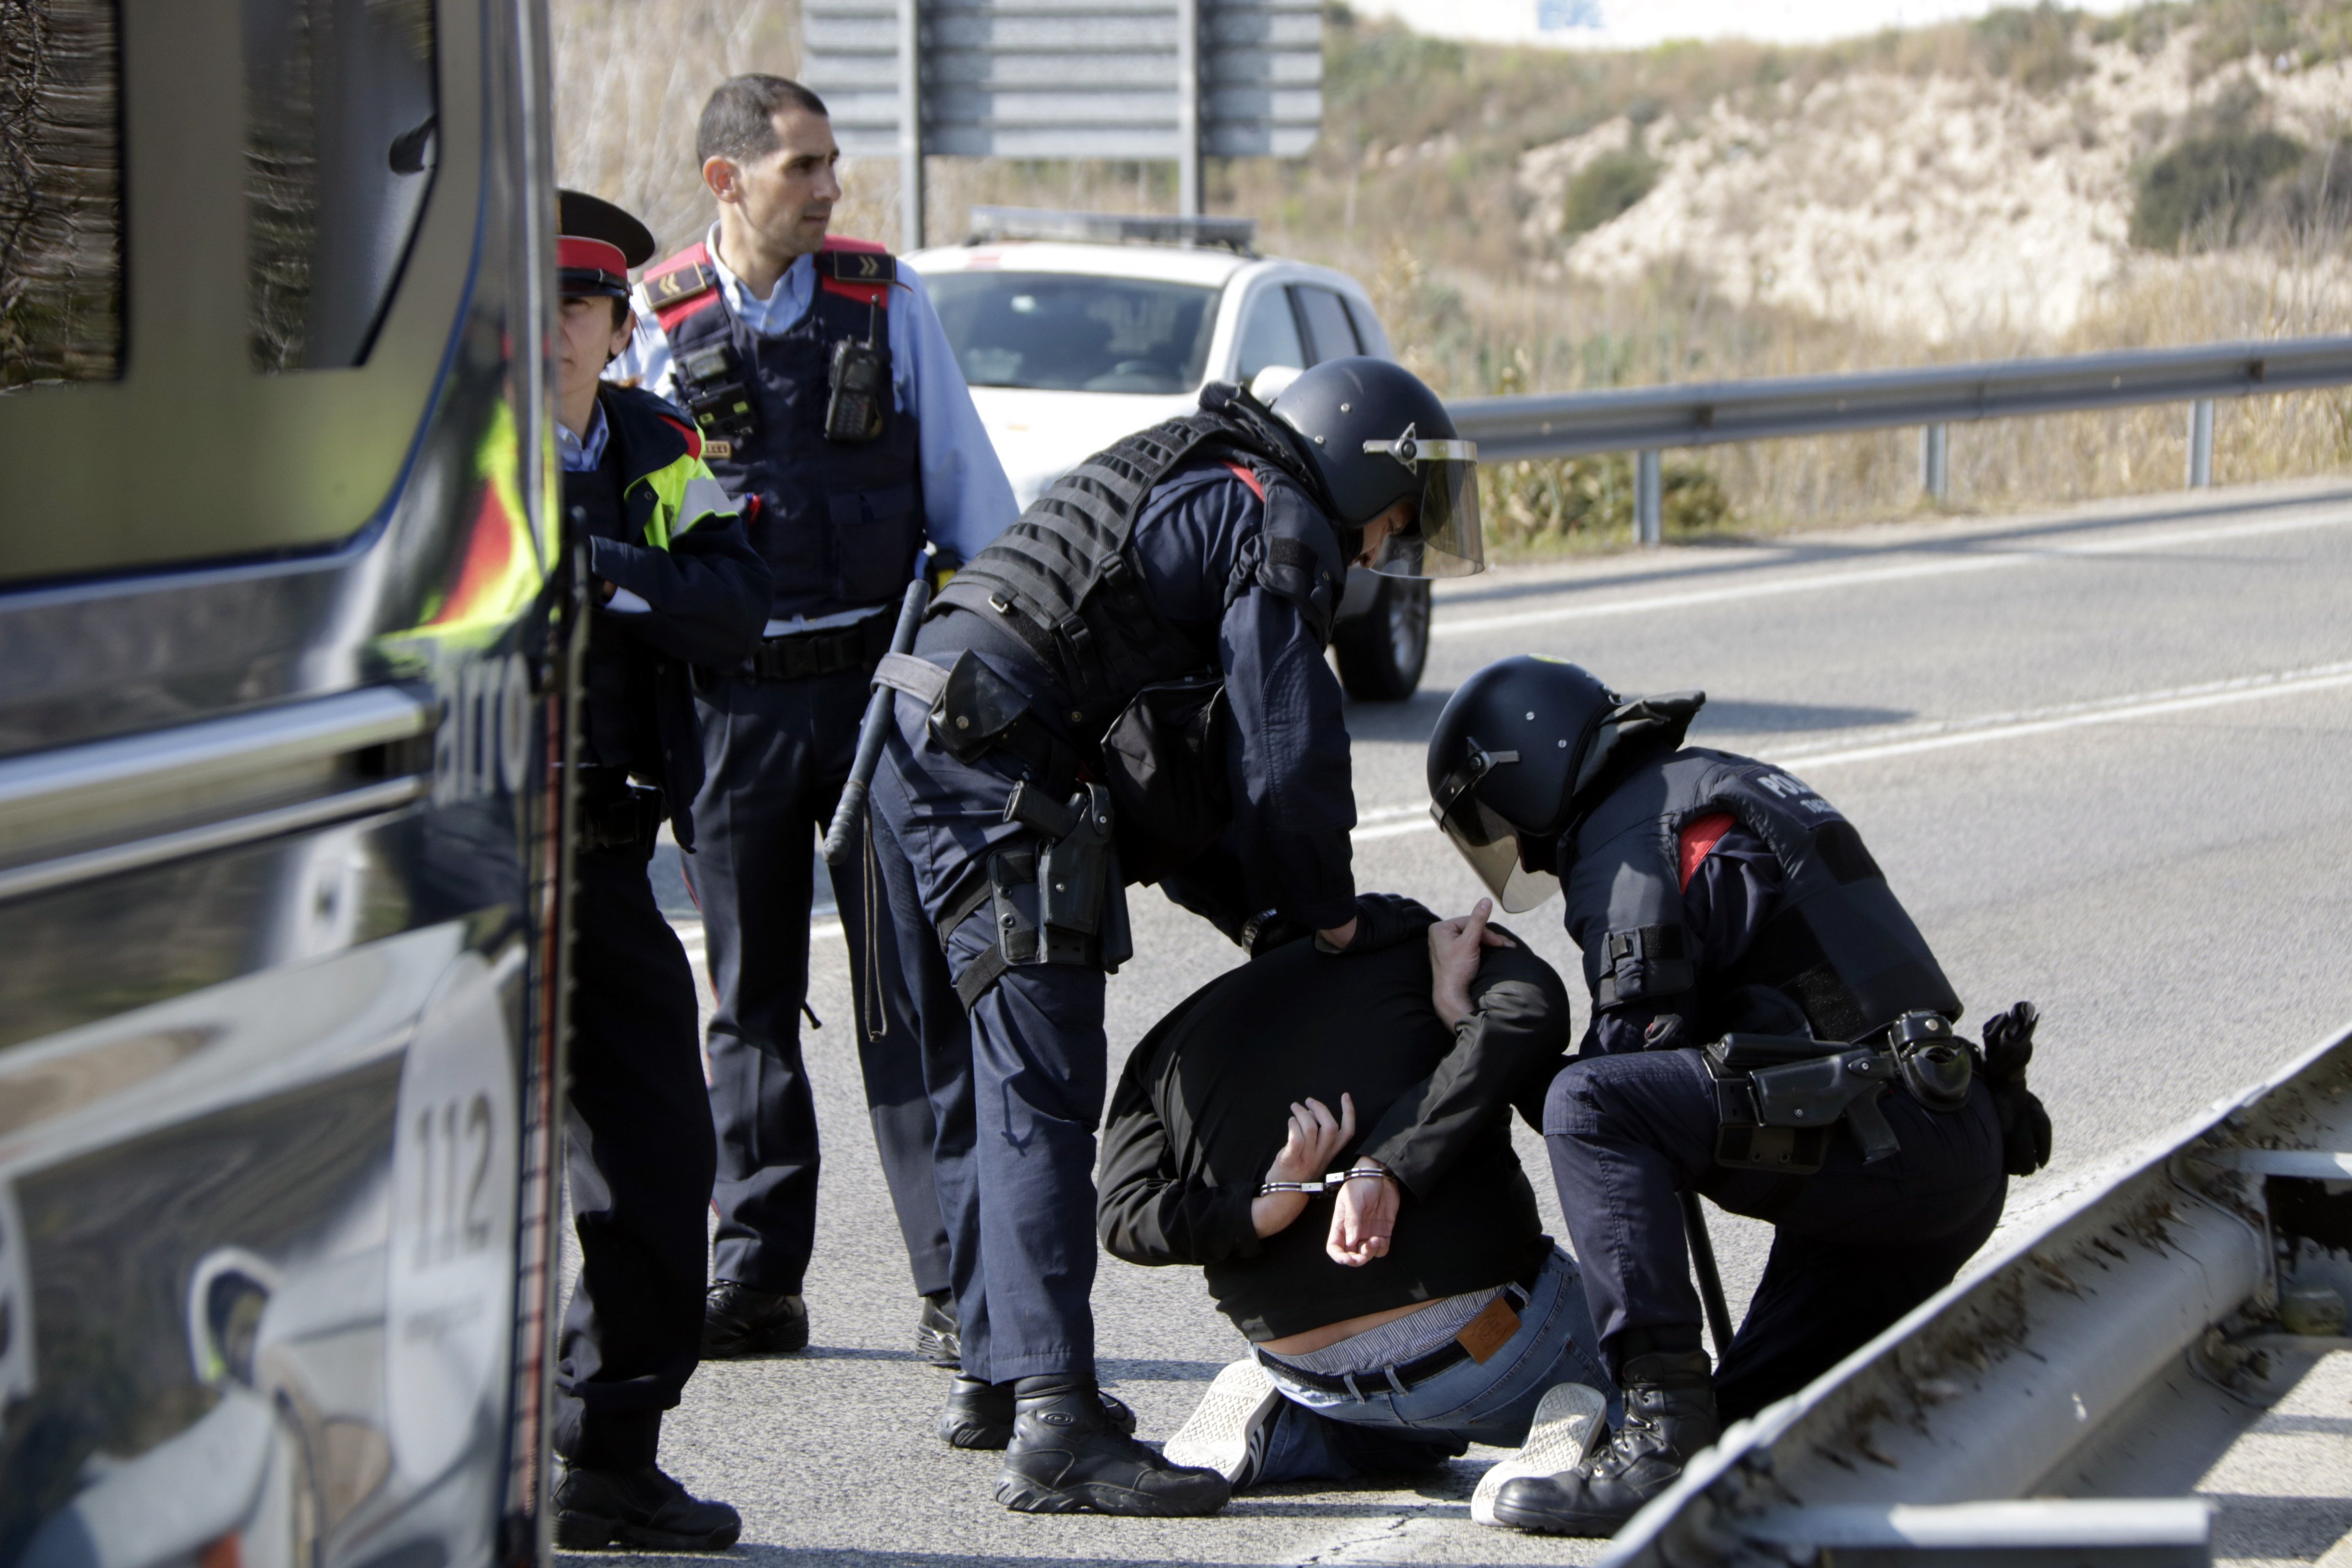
(873, 267)
(679, 283)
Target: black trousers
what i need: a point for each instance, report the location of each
(775, 756)
(639, 1160)
(1855, 1245)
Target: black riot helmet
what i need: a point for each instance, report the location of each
(1524, 747)
(1379, 436)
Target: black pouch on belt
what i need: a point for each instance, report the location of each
(1780, 1096)
(1164, 759)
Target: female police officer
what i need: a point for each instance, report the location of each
(1718, 898)
(1129, 671)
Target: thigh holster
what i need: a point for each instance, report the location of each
(1056, 898)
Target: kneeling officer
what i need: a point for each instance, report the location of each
(1769, 1029)
(1130, 672)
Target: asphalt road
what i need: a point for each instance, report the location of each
(2102, 755)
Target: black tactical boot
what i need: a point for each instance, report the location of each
(1669, 1417)
(939, 1338)
(738, 1321)
(638, 1507)
(1067, 1458)
(980, 1414)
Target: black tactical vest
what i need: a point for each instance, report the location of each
(1839, 945)
(840, 523)
(1061, 579)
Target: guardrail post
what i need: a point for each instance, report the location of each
(1935, 470)
(1648, 499)
(2201, 444)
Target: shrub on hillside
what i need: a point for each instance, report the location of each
(1606, 187)
(2034, 49)
(2202, 193)
(1589, 501)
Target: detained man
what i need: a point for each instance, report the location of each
(1328, 1138)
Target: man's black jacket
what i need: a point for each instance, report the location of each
(1199, 1115)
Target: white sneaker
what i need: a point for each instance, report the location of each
(1568, 1418)
(1227, 1432)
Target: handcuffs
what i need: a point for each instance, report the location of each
(1331, 1182)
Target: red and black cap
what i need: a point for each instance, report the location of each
(597, 244)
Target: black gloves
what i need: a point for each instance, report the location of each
(2024, 1124)
(1383, 921)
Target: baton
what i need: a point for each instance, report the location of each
(1711, 1283)
(869, 733)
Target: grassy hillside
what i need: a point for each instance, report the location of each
(2034, 181)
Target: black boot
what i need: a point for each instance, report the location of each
(638, 1507)
(739, 1320)
(939, 1338)
(1669, 1417)
(1067, 1458)
(980, 1414)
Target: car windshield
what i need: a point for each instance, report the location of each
(1066, 333)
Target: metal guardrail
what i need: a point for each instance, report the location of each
(1703, 414)
(2000, 1416)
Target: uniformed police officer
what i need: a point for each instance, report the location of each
(1129, 685)
(1721, 903)
(831, 404)
(674, 583)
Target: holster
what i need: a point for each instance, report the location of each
(1058, 899)
(1780, 1096)
(615, 814)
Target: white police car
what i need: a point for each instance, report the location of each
(1075, 329)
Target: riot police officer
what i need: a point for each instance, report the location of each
(831, 404)
(1129, 685)
(674, 583)
(1769, 1029)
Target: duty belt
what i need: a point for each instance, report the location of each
(809, 654)
(1406, 1374)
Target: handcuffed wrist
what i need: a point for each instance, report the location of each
(1333, 1182)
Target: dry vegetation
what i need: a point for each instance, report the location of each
(1415, 188)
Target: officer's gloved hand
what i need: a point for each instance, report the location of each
(1383, 921)
(2024, 1123)
(1267, 930)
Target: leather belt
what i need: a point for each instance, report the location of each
(1403, 1375)
(810, 654)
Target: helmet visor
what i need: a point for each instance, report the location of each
(1489, 842)
(1444, 538)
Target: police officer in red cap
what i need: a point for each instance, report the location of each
(674, 583)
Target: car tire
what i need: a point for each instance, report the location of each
(1383, 651)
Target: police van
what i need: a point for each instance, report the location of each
(1075, 329)
(284, 664)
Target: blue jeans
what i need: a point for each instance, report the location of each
(1321, 1436)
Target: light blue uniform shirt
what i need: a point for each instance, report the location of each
(577, 457)
(967, 500)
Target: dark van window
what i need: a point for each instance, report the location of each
(60, 192)
(1326, 322)
(339, 156)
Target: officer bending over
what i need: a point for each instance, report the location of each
(834, 406)
(674, 583)
(1379, 1343)
(1132, 671)
(1769, 1029)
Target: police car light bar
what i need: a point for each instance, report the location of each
(1097, 228)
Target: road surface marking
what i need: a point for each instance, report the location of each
(1943, 734)
(1940, 567)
